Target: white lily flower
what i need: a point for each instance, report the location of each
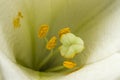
(97, 22)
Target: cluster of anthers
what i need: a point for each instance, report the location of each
(71, 45)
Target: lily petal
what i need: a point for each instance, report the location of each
(107, 69)
(10, 71)
(63, 16)
(11, 39)
(102, 35)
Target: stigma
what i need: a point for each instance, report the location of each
(69, 64)
(71, 45)
(43, 31)
(17, 19)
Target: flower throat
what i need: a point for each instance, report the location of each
(71, 45)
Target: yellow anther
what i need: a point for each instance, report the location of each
(20, 15)
(64, 31)
(43, 31)
(16, 21)
(51, 43)
(69, 64)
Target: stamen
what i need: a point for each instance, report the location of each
(64, 31)
(16, 21)
(66, 64)
(45, 60)
(69, 64)
(51, 43)
(43, 31)
(57, 68)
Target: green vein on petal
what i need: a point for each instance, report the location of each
(102, 32)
